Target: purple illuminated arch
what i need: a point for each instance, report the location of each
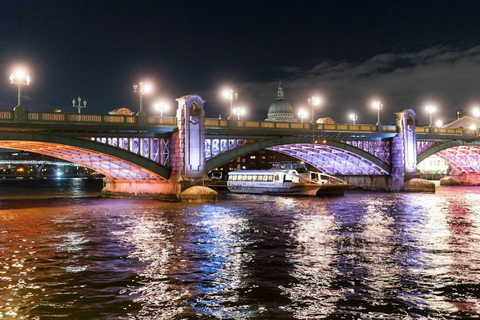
(329, 159)
(113, 162)
(330, 156)
(462, 158)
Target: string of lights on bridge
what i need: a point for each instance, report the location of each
(20, 78)
(39, 162)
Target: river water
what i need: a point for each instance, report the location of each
(67, 255)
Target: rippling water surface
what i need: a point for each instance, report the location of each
(362, 256)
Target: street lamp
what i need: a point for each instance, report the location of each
(439, 123)
(302, 114)
(79, 106)
(430, 109)
(238, 111)
(142, 88)
(476, 114)
(379, 106)
(353, 117)
(20, 78)
(161, 107)
(230, 95)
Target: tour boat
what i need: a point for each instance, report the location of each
(285, 178)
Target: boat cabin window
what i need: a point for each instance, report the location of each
(254, 177)
(323, 177)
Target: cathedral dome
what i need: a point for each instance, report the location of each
(281, 110)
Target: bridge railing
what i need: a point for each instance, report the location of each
(131, 120)
(77, 118)
(447, 131)
(6, 115)
(221, 123)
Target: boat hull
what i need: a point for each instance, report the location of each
(301, 190)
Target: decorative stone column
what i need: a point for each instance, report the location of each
(404, 150)
(188, 142)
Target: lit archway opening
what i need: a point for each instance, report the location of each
(463, 159)
(111, 166)
(331, 160)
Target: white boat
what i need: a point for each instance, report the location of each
(285, 178)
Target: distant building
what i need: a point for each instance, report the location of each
(121, 111)
(281, 110)
(326, 120)
(466, 122)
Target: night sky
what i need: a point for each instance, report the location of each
(405, 53)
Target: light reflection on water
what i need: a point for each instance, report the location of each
(362, 256)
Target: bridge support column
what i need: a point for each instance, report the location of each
(187, 153)
(404, 175)
(187, 144)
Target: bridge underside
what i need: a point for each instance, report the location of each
(331, 160)
(463, 159)
(113, 167)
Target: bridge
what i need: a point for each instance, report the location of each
(141, 154)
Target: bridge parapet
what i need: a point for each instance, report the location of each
(307, 127)
(445, 131)
(85, 119)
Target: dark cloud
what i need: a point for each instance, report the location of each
(442, 75)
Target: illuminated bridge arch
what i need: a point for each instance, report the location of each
(115, 163)
(330, 157)
(463, 156)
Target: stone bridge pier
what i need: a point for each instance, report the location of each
(404, 175)
(187, 154)
(403, 161)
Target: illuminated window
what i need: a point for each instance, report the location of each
(252, 157)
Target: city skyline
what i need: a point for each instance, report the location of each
(406, 55)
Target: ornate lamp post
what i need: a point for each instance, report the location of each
(379, 106)
(353, 117)
(20, 79)
(230, 95)
(141, 89)
(431, 110)
(161, 106)
(79, 105)
(238, 111)
(302, 114)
